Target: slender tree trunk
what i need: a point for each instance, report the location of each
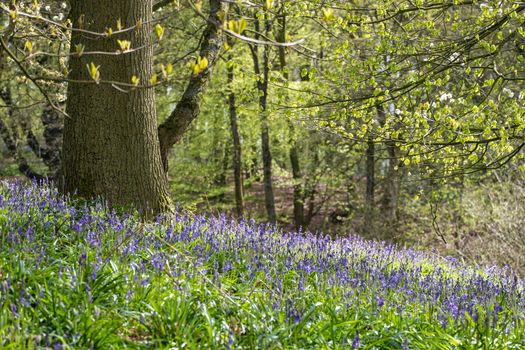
(53, 126)
(32, 141)
(262, 87)
(10, 142)
(298, 203)
(111, 146)
(237, 150)
(391, 192)
(310, 190)
(391, 183)
(253, 169)
(370, 182)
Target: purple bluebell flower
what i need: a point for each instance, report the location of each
(356, 342)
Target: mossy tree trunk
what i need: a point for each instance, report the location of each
(111, 145)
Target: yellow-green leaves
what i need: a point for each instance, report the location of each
(153, 79)
(159, 31)
(198, 5)
(94, 72)
(135, 80)
(221, 15)
(166, 70)
(521, 31)
(29, 46)
(79, 48)
(124, 45)
(242, 25)
(200, 66)
(237, 26)
(119, 24)
(268, 4)
(328, 14)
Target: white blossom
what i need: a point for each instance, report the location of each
(446, 96)
(508, 92)
(58, 17)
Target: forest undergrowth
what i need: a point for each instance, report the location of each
(79, 275)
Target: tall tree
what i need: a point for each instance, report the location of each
(237, 149)
(262, 87)
(298, 193)
(370, 182)
(115, 155)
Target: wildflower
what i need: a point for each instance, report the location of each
(380, 302)
(356, 342)
(14, 310)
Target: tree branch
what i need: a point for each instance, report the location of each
(171, 131)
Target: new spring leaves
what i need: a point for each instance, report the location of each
(197, 67)
(125, 46)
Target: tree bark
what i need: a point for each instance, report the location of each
(111, 146)
(262, 87)
(237, 150)
(171, 131)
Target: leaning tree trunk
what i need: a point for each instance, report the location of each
(111, 146)
(187, 109)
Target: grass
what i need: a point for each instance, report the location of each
(80, 276)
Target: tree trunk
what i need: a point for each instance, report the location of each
(310, 188)
(237, 150)
(298, 203)
(262, 87)
(391, 184)
(10, 142)
(391, 192)
(370, 182)
(111, 146)
(53, 126)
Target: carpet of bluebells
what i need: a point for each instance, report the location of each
(77, 275)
